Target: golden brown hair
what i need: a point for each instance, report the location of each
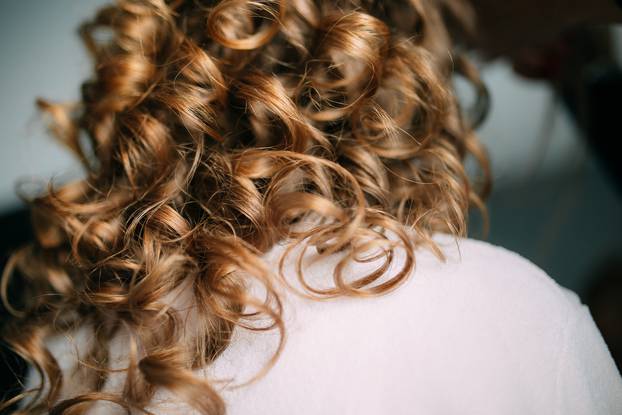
(212, 130)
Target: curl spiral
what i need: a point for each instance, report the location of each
(212, 130)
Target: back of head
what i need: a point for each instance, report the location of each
(212, 130)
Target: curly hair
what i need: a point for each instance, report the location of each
(213, 130)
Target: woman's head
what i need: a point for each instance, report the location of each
(211, 130)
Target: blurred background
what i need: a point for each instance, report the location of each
(554, 201)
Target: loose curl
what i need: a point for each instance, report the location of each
(212, 130)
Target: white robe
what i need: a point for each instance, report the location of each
(486, 332)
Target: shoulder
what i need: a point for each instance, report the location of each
(474, 276)
(476, 286)
(498, 273)
(485, 324)
(494, 292)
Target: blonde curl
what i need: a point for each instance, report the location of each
(212, 130)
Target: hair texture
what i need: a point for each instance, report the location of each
(212, 130)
